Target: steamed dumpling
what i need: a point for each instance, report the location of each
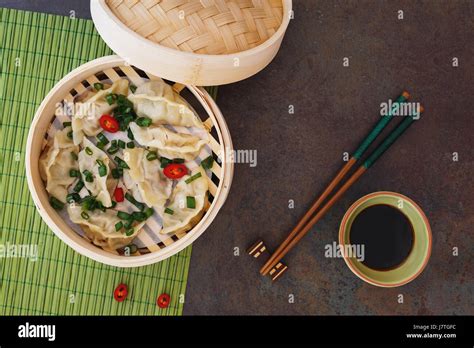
(184, 218)
(146, 177)
(89, 111)
(99, 227)
(168, 143)
(101, 186)
(55, 163)
(157, 101)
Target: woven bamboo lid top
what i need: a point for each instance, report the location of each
(202, 26)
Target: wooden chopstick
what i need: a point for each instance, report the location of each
(376, 130)
(299, 231)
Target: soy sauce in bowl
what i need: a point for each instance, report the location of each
(387, 235)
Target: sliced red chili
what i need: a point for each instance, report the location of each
(163, 300)
(120, 292)
(175, 170)
(109, 123)
(118, 194)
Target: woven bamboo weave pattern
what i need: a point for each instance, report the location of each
(202, 26)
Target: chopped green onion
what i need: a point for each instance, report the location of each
(74, 156)
(67, 124)
(100, 145)
(143, 121)
(73, 197)
(190, 202)
(165, 161)
(130, 134)
(133, 88)
(208, 162)
(111, 98)
(121, 144)
(192, 178)
(149, 212)
(123, 101)
(178, 160)
(73, 173)
(89, 150)
(129, 232)
(151, 155)
(118, 226)
(169, 211)
(88, 176)
(117, 173)
(85, 216)
(79, 186)
(112, 150)
(102, 171)
(124, 216)
(102, 138)
(88, 203)
(56, 203)
(130, 145)
(98, 86)
(121, 163)
(132, 200)
(100, 162)
(69, 134)
(113, 205)
(139, 216)
(128, 224)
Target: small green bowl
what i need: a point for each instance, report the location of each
(421, 250)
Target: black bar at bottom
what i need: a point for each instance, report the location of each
(419, 330)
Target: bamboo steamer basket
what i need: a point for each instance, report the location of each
(76, 82)
(197, 42)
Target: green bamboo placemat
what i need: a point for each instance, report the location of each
(37, 50)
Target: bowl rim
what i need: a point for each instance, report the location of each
(342, 233)
(287, 7)
(77, 242)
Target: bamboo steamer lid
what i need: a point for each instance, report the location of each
(194, 42)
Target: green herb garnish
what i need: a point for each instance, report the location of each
(121, 163)
(117, 173)
(192, 178)
(102, 138)
(143, 121)
(67, 124)
(124, 216)
(73, 173)
(190, 202)
(130, 145)
(89, 150)
(208, 162)
(56, 203)
(73, 198)
(79, 186)
(118, 226)
(88, 176)
(132, 200)
(165, 161)
(98, 86)
(130, 134)
(151, 155)
(169, 211)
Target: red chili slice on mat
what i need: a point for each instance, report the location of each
(175, 170)
(163, 300)
(109, 123)
(120, 292)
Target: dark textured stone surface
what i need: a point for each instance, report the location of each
(298, 154)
